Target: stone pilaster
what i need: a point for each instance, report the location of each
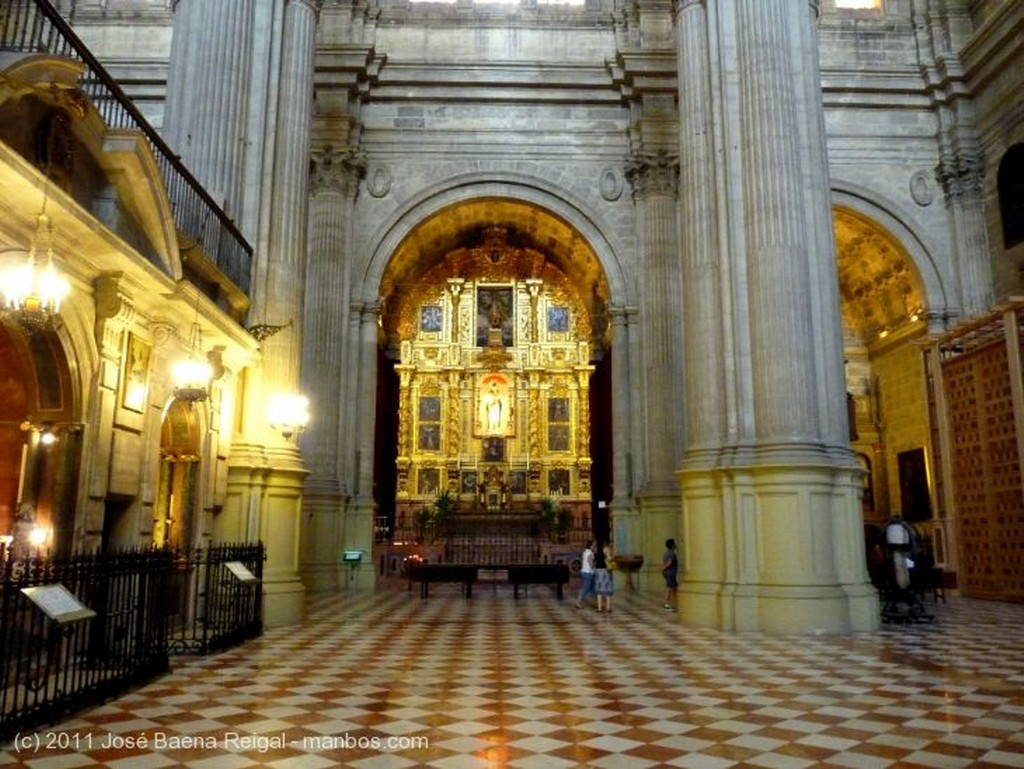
(625, 526)
(115, 312)
(358, 527)
(654, 179)
(334, 180)
(654, 188)
(961, 174)
(212, 45)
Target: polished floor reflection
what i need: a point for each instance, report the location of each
(384, 679)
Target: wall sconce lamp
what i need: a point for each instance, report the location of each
(32, 293)
(288, 413)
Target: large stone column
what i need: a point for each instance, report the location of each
(654, 178)
(335, 179)
(278, 299)
(208, 85)
(772, 539)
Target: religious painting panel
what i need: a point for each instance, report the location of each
(431, 318)
(469, 481)
(558, 410)
(558, 437)
(494, 311)
(558, 481)
(136, 374)
(494, 449)
(430, 409)
(428, 481)
(430, 438)
(517, 482)
(558, 320)
(494, 406)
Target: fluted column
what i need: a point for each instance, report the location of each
(654, 187)
(334, 180)
(961, 174)
(701, 269)
(278, 300)
(771, 516)
(776, 248)
(282, 299)
(207, 93)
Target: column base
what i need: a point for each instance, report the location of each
(777, 548)
(284, 602)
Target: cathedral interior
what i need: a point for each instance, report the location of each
(407, 212)
(372, 281)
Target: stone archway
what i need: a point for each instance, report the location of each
(454, 272)
(885, 309)
(175, 504)
(39, 437)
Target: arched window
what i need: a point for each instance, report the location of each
(1011, 195)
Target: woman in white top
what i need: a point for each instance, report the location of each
(586, 573)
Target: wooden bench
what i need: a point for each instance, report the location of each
(425, 573)
(556, 574)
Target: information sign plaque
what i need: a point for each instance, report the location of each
(58, 603)
(242, 574)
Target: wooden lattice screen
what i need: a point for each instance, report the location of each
(982, 408)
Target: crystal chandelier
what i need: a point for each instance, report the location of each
(32, 293)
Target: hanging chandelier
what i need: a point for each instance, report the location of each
(192, 375)
(32, 293)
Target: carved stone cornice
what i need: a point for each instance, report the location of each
(653, 173)
(961, 176)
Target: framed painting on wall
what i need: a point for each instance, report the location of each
(135, 378)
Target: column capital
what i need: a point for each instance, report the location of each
(961, 175)
(313, 5)
(336, 170)
(653, 173)
(621, 313)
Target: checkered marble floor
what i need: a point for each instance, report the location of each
(384, 680)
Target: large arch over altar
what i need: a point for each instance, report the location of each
(494, 320)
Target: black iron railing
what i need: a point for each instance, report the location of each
(147, 604)
(34, 26)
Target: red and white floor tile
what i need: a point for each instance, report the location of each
(384, 680)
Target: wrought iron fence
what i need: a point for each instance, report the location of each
(34, 26)
(56, 659)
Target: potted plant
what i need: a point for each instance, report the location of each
(546, 517)
(444, 506)
(424, 519)
(563, 522)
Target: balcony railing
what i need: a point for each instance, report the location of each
(34, 26)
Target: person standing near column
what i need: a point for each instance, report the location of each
(670, 571)
(586, 573)
(604, 586)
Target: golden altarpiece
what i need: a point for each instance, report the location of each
(494, 376)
